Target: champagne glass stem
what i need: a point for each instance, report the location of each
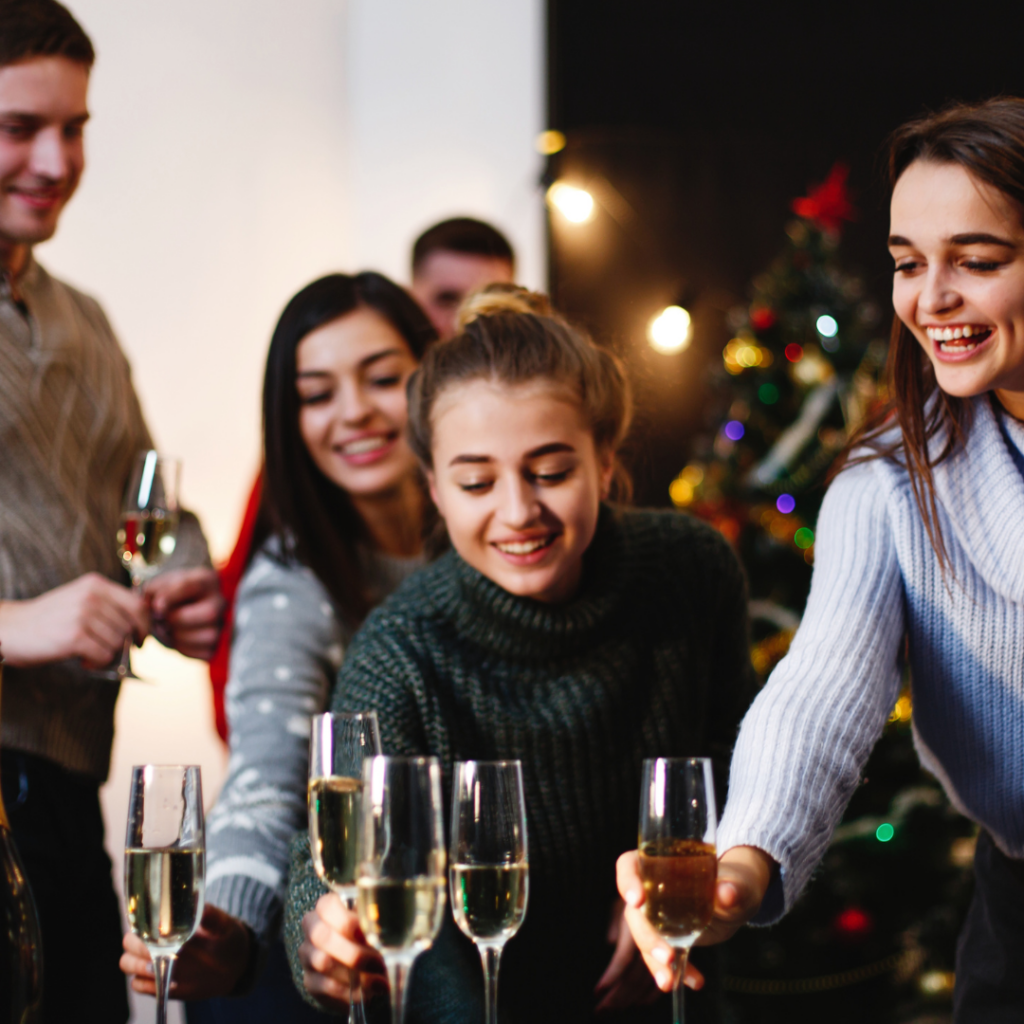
(162, 976)
(490, 956)
(678, 1010)
(124, 666)
(398, 975)
(356, 1013)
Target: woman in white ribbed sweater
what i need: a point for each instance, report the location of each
(920, 538)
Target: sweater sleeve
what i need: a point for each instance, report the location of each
(287, 646)
(806, 738)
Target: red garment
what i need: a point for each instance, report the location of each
(231, 573)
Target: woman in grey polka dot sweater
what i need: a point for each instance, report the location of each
(340, 526)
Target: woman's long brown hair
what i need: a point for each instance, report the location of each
(986, 140)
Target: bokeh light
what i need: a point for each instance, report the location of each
(803, 538)
(671, 330)
(576, 205)
(550, 142)
(768, 393)
(785, 503)
(744, 353)
(884, 832)
(794, 352)
(680, 491)
(826, 326)
(734, 430)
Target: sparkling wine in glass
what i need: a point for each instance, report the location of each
(489, 864)
(338, 746)
(164, 864)
(401, 871)
(149, 528)
(678, 862)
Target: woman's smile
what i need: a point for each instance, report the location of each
(958, 246)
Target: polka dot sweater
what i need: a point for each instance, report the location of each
(287, 646)
(877, 582)
(650, 658)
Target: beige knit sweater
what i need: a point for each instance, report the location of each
(70, 427)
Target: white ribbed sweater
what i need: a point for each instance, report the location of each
(805, 739)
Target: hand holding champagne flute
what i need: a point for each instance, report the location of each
(149, 529)
(164, 864)
(489, 870)
(677, 858)
(401, 873)
(339, 744)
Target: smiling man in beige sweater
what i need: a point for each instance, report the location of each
(70, 428)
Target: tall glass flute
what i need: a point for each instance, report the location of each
(401, 876)
(678, 863)
(489, 864)
(164, 864)
(338, 746)
(149, 529)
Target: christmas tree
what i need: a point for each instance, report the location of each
(874, 936)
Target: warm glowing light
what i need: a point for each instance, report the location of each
(794, 352)
(576, 205)
(902, 711)
(670, 330)
(744, 353)
(826, 326)
(693, 474)
(785, 503)
(550, 142)
(680, 491)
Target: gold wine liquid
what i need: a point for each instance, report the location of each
(401, 915)
(147, 540)
(333, 815)
(164, 895)
(489, 900)
(679, 882)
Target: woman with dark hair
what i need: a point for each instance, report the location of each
(920, 557)
(340, 524)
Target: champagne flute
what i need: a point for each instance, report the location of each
(678, 863)
(489, 872)
(164, 864)
(149, 530)
(401, 878)
(338, 745)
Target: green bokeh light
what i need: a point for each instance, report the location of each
(768, 393)
(884, 832)
(803, 538)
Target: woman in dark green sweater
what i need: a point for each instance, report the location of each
(573, 636)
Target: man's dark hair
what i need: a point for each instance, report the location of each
(465, 235)
(41, 28)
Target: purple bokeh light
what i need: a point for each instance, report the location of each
(734, 430)
(785, 503)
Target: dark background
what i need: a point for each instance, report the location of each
(695, 125)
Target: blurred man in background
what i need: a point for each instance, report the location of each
(70, 430)
(454, 258)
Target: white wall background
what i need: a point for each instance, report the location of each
(238, 149)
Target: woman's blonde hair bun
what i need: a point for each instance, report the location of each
(495, 299)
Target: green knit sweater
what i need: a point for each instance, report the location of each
(649, 659)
